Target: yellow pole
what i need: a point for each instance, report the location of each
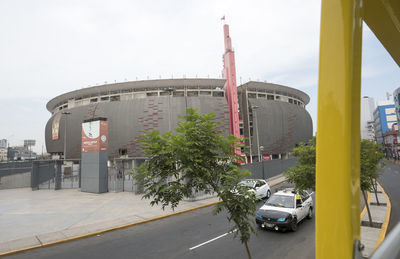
(338, 130)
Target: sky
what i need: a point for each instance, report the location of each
(50, 47)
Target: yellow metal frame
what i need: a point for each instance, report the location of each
(338, 130)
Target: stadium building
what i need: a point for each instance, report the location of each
(271, 117)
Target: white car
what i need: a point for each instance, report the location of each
(285, 209)
(258, 186)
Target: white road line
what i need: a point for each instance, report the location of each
(211, 240)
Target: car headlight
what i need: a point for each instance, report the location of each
(281, 219)
(259, 216)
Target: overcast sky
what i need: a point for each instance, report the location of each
(51, 47)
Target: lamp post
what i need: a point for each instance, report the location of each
(65, 134)
(262, 161)
(254, 108)
(170, 91)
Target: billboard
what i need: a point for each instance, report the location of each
(29, 142)
(55, 127)
(95, 136)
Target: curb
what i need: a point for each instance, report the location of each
(385, 224)
(117, 228)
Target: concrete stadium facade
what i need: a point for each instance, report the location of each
(132, 107)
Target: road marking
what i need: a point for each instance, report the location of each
(211, 240)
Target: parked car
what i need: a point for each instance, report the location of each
(258, 186)
(285, 209)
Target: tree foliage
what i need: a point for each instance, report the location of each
(303, 175)
(197, 159)
(371, 155)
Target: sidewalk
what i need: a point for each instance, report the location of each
(372, 237)
(31, 219)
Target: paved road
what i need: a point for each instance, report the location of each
(390, 181)
(173, 237)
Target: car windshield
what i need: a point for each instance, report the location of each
(281, 201)
(247, 183)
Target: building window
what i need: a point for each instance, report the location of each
(252, 95)
(152, 94)
(164, 93)
(192, 93)
(205, 92)
(389, 110)
(290, 100)
(270, 97)
(178, 93)
(114, 98)
(278, 97)
(218, 94)
(93, 100)
(262, 95)
(105, 98)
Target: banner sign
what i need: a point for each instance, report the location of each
(55, 126)
(95, 136)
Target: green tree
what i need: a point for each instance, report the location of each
(303, 175)
(370, 158)
(198, 159)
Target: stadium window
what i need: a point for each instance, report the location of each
(277, 97)
(295, 102)
(114, 98)
(192, 93)
(290, 100)
(122, 151)
(152, 94)
(270, 97)
(262, 95)
(252, 95)
(178, 93)
(205, 92)
(218, 94)
(164, 93)
(105, 98)
(93, 100)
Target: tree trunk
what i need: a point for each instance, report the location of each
(369, 212)
(247, 250)
(375, 191)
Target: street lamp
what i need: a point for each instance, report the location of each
(254, 108)
(262, 164)
(170, 91)
(65, 134)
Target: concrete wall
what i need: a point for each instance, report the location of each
(15, 175)
(20, 180)
(94, 172)
(271, 168)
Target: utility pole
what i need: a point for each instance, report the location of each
(65, 134)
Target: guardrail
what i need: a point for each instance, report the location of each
(390, 247)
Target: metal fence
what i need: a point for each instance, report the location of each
(55, 174)
(121, 176)
(271, 168)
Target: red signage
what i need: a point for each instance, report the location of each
(267, 157)
(95, 136)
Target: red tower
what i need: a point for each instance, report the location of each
(229, 73)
